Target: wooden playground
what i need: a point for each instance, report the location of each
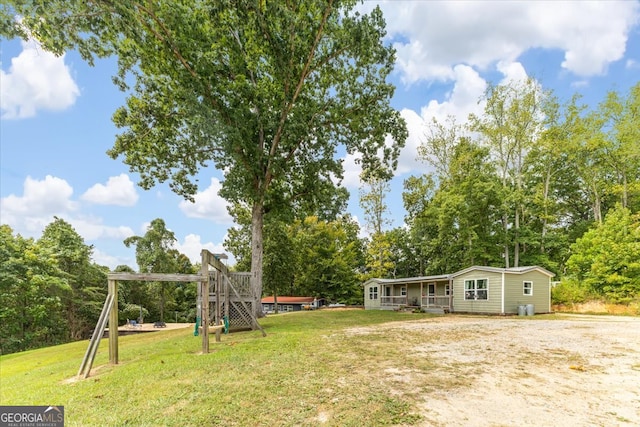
(225, 302)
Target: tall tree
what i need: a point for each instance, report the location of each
(87, 280)
(264, 90)
(279, 264)
(621, 117)
(456, 223)
(155, 254)
(32, 291)
(376, 215)
(439, 144)
(511, 123)
(328, 254)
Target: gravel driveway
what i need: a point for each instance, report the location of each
(573, 370)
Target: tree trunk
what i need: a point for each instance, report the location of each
(505, 224)
(516, 244)
(625, 190)
(275, 302)
(257, 218)
(597, 208)
(547, 184)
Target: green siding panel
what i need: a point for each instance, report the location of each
(514, 292)
(493, 303)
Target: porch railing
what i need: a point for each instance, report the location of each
(435, 301)
(394, 300)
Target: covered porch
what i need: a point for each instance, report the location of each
(428, 292)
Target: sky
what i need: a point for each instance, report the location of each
(55, 112)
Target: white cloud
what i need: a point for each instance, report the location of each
(632, 64)
(47, 197)
(192, 246)
(119, 190)
(102, 258)
(36, 80)
(461, 101)
(91, 228)
(208, 205)
(432, 37)
(41, 200)
(512, 71)
(352, 170)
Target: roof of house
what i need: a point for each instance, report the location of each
(511, 270)
(409, 279)
(440, 277)
(288, 300)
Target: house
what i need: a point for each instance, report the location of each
(290, 303)
(477, 289)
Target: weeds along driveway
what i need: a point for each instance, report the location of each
(492, 371)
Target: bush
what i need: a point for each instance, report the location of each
(570, 291)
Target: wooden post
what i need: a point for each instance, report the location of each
(204, 284)
(218, 300)
(113, 323)
(227, 298)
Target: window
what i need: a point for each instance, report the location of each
(373, 292)
(476, 289)
(403, 291)
(527, 288)
(447, 289)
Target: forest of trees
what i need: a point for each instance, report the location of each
(51, 292)
(529, 182)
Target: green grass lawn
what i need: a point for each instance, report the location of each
(306, 371)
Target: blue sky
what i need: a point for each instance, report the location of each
(55, 125)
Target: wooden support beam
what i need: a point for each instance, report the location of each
(159, 277)
(218, 316)
(204, 293)
(113, 323)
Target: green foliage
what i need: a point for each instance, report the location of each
(456, 225)
(279, 265)
(155, 254)
(378, 257)
(606, 259)
(50, 291)
(266, 91)
(327, 257)
(132, 312)
(86, 280)
(570, 291)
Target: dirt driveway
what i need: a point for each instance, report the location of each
(573, 370)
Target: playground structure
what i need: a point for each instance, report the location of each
(222, 295)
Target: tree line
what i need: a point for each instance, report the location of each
(51, 292)
(530, 181)
(268, 91)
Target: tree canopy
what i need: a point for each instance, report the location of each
(264, 90)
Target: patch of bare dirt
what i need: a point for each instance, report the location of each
(575, 370)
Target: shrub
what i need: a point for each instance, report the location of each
(570, 291)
